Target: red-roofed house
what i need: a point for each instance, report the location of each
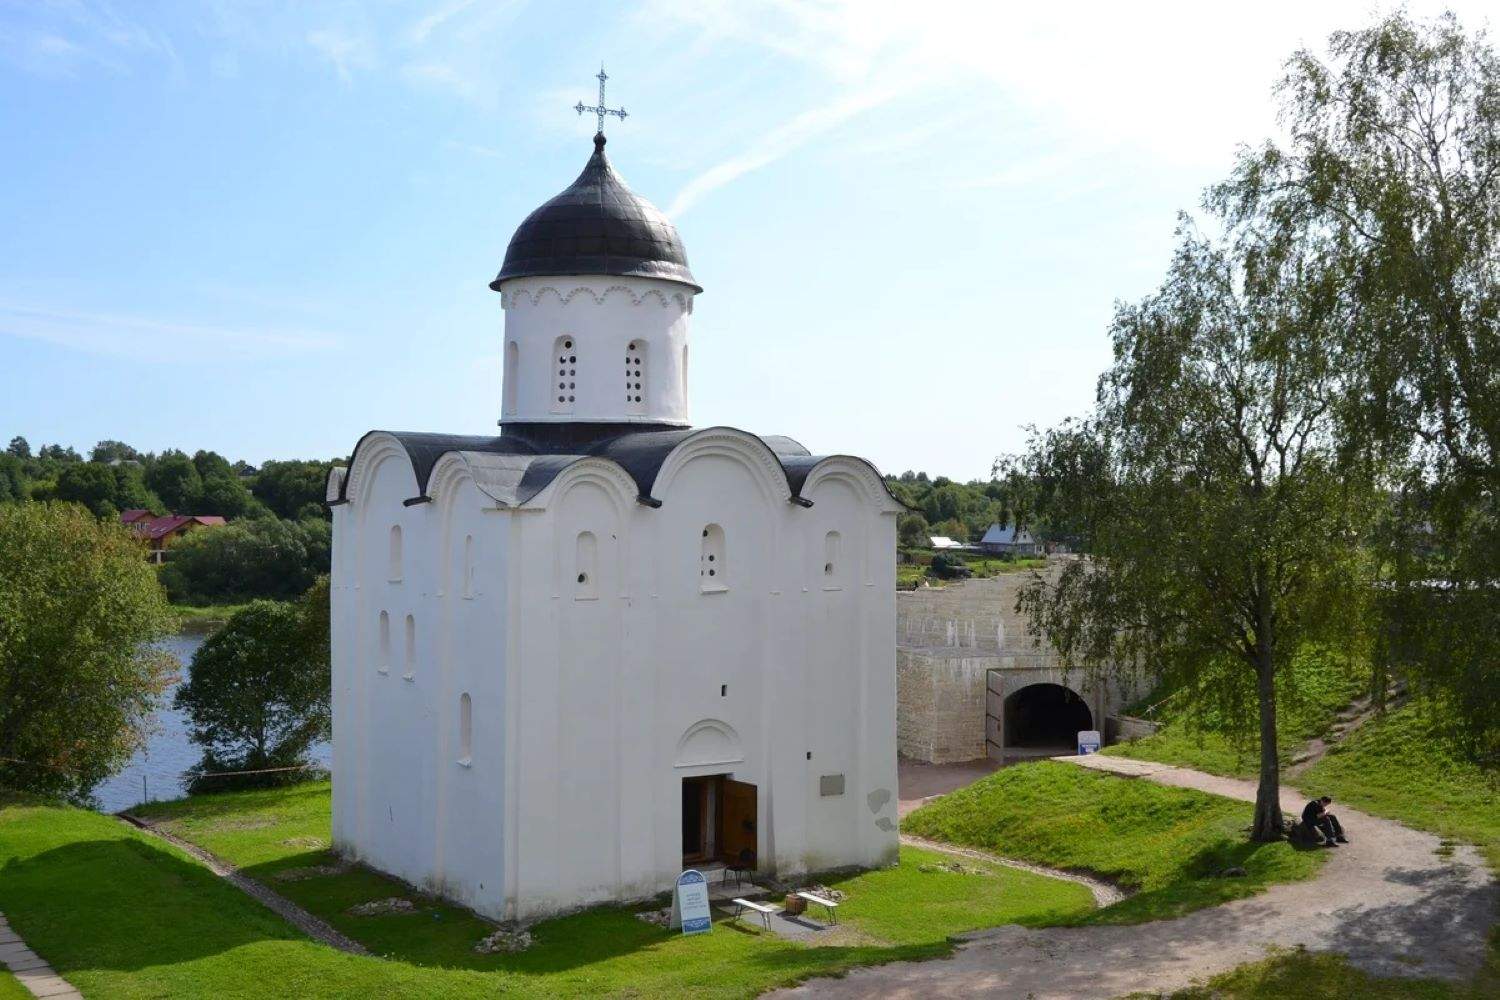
(160, 532)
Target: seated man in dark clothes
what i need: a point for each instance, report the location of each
(1315, 816)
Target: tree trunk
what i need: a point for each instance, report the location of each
(1268, 822)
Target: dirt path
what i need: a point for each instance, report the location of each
(1387, 901)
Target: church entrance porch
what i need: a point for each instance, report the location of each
(719, 821)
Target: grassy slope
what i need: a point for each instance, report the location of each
(1322, 684)
(1393, 766)
(1166, 842)
(1396, 766)
(124, 916)
(11, 988)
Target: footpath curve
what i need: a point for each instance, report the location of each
(1388, 901)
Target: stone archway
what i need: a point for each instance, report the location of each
(1045, 716)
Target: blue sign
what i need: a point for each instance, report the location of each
(690, 904)
(1088, 741)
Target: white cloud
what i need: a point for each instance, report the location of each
(155, 340)
(1176, 84)
(345, 50)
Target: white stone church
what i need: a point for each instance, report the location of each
(574, 658)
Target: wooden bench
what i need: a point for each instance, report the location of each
(749, 904)
(827, 904)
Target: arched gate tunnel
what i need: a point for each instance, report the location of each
(1045, 715)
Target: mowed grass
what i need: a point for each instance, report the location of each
(1399, 766)
(11, 988)
(1320, 683)
(271, 832)
(123, 915)
(1168, 844)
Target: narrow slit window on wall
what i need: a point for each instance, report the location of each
(383, 661)
(395, 570)
(411, 648)
(635, 376)
(468, 577)
(512, 375)
(465, 729)
(585, 567)
(713, 571)
(832, 566)
(684, 371)
(565, 384)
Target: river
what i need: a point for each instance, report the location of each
(155, 772)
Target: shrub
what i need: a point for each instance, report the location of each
(259, 692)
(263, 558)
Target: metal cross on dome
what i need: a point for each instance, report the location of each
(599, 109)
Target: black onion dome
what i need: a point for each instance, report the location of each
(597, 226)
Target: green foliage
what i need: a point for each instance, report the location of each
(258, 694)
(946, 567)
(112, 451)
(1210, 724)
(79, 679)
(962, 511)
(1169, 843)
(1390, 167)
(293, 489)
(59, 454)
(13, 479)
(19, 447)
(175, 479)
(104, 489)
(248, 559)
(913, 531)
(1223, 527)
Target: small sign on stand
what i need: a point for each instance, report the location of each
(1088, 741)
(690, 904)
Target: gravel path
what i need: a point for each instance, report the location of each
(1387, 901)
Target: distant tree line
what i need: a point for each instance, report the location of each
(278, 539)
(960, 511)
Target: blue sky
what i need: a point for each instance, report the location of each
(265, 228)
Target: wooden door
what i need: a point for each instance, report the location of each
(739, 832)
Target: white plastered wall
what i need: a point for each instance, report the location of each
(602, 317)
(591, 703)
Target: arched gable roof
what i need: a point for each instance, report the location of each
(517, 465)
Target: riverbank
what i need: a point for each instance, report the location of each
(203, 617)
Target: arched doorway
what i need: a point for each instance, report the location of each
(1045, 716)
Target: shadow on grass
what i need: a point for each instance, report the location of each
(125, 904)
(1203, 881)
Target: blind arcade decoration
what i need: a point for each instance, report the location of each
(690, 904)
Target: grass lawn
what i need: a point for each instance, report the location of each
(123, 915)
(1167, 843)
(11, 988)
(1321, 683)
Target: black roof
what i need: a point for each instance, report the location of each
(639, 449)
(597, 226)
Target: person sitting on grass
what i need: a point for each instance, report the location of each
(1317, 818)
